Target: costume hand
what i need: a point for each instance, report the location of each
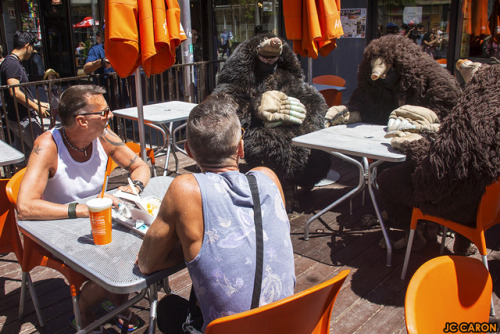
(401, 138)
(341, 115)
(414, 119)
(277, 108)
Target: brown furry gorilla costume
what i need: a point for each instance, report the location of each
(447, 177)
(245, 79)
(410, 76)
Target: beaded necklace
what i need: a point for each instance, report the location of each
(84, 150)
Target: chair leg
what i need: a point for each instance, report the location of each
(76, 311)
(26, 281)
(407, 254)
(485, 262)
(23, 295)
(443, 239)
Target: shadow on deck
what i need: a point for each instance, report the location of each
(371, 299)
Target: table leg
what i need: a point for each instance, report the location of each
(113, 313)
(371, 181)
(153, 301)
(359, 187)
(170, 148)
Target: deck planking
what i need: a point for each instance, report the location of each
(370, 301)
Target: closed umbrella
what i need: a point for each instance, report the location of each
(313, 26)
(142, 32)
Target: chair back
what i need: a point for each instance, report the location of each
(9, 236)
(332, 97)
(447, 289)
(12, 188)
(329, 79)
(308, 311)
(442, 61)
(488, 213)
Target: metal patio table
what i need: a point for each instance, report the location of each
(360, 140)
(163, 115)
(113, 265)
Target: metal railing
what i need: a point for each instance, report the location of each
(171, 85)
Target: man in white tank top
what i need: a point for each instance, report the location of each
(67, 164)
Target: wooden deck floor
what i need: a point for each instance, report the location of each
(371, 299)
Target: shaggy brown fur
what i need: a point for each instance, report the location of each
(272, 147)
(414, 78)
(448, 176)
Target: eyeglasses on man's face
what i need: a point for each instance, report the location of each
(102, 113)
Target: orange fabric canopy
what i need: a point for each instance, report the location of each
(312, 25)
(142, 32)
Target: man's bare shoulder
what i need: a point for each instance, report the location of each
(44, 144)
(183, 186)
(269, 173)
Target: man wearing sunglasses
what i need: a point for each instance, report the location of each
(68, 165)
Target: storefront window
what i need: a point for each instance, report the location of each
(480, 29)
(30, 18)
(84, 25)
(236, 21)
(426, 22)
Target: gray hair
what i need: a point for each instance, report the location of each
(214, 131)
(76, 99)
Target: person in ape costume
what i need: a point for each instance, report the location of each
(446, 175)
(275, 105)
(395, 72)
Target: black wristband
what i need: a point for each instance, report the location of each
(139, 184)
(72, 210)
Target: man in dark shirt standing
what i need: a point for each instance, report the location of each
(23, 122)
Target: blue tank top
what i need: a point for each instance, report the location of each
(223, 272)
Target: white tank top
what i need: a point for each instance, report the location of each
(74, 181)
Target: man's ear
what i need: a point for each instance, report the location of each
(241, 149)
(81, 121)
(188, 150)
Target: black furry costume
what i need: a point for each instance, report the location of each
(414, 78)
(245, 80)
(448, 176)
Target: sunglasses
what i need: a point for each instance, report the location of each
(102, 113)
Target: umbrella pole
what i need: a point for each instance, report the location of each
(140, 113)
(310, 70)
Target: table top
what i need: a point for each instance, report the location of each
(9, 155)
(357, 139)
(159, 113)
(321, 87)
(113, 265)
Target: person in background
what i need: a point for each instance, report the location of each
(96, 58)
(207, 220)
(52, 91)
(12, 72)
(68, 165)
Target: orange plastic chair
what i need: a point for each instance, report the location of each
(488, 214)
(332, 97)
(445, 290)
(10, 241)
(442, 61)
(35, 255)
(308, 311)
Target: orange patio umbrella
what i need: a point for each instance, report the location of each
(142, 33)
(313, 26)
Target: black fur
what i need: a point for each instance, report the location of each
(415, 78)
(447, 177)
(273, 148)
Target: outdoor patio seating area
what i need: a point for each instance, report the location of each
(370, 301)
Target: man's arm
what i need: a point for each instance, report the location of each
(42, 163)
(94, 61)
(177, 231)
(125, 157)
(18, 94)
